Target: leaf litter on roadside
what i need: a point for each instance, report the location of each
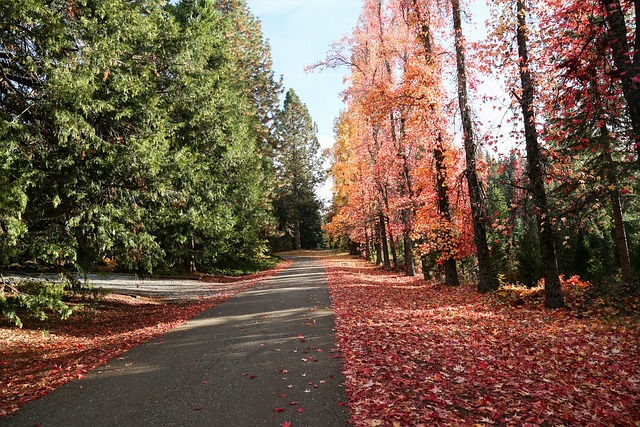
(419, 353)
(35, 360)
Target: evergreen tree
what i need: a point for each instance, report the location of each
(218, 211)
(85, 82)
(130, 131)
(299, 170)
(254, 75)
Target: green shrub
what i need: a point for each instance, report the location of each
(36, 299)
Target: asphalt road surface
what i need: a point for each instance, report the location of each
(262, 358)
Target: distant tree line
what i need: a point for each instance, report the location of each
(143, 135)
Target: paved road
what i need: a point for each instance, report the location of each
(262, 358)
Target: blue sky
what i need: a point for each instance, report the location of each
(300, 33)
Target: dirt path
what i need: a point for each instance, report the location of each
(263, 358)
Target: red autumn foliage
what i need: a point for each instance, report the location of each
(39, 357)
(417, 353)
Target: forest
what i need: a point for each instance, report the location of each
(486, 187)
(148, 137)
(434, 172)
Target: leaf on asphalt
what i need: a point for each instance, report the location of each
(108, 328)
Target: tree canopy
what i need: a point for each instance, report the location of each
(138, 134)
(565, 204)
(299, 169)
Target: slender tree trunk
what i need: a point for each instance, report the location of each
(451, 271)
(627, 62)
(622, 245)
(407, 211)
(372, 249)
(409, 267)
(450, 267)
(192, 256)
(426, 268)
(296, 229)
(392, 240)
(383, 239)
(553, 291)
(367, 248)
(393, 246)
(378, 244)
(486, 278)
(621, 236)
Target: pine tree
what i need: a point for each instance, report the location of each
(127, 133)
(299, 169)
(85, 81)
(217, 182)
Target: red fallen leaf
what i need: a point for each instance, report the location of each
(419, 335)
(204, 382)
(197, 408)
(280, 409)
(282, 395)
(286, 424)
(292, 403)
(300, 410)
(118, 324)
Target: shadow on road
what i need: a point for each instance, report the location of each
(264, 357)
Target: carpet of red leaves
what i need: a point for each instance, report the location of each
(40, 357)
(422, 354)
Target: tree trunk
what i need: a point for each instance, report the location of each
(392, 240)
(296, 229)
(378, 245)
(192, 256)
(407, 212)
(621, 237)
(450, 267)
(394, 251)
(451, 270)
(622, 245)
(627, 62)
(409, 264)
(367, 248)
(426, 268)
(486, 278)
(385, 243)
(553, 291)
